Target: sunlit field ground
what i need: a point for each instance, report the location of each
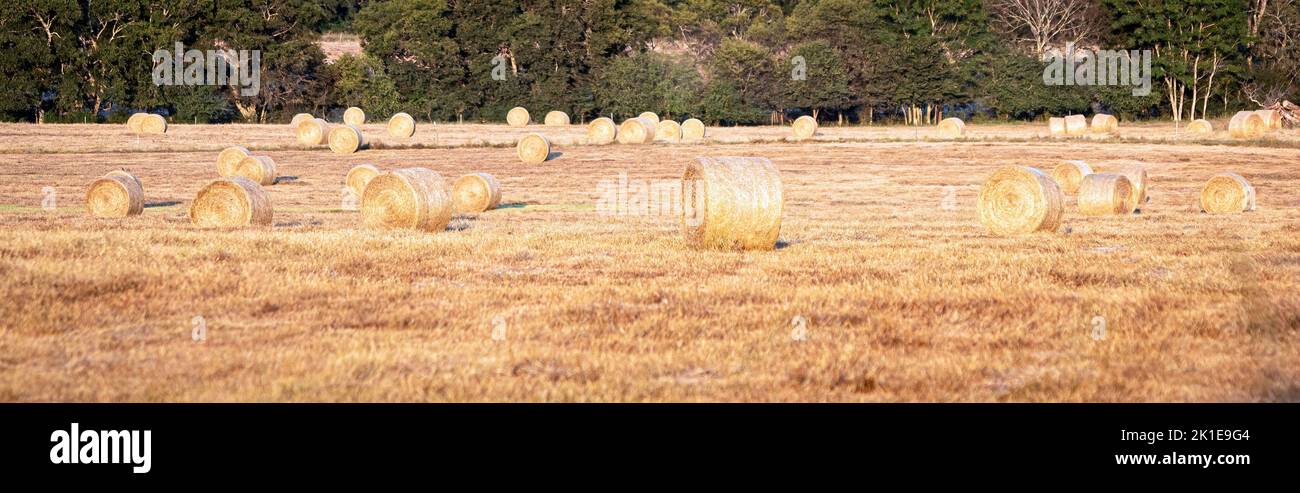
(885, 286)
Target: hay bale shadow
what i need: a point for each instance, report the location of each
(162, 203)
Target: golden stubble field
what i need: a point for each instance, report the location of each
(885, 288)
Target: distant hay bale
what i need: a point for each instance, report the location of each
(668, 130)
(692, 128)
(1246, 125)
(401, 126)
(258, 169)
(153, 124)
(1272, 119)
(650, 115)
(951, 128)
(1076, 125)
(231, 202)
(1104, 124)
(476, 192)
(731, 203)
(313, 132)
(637, 131)
(533, 148)
(359, 176)
(602, 131)
(1137, 177)
(1019, 200)
(117, 194)
(1200, 126)
(556, 119)
(407, 198)
(1056, 126)
(229, 158)
(1069, 173)
(133, 122)
(1227, 193)
(804, 127)
(299, 118)
(517, 117)
(1103, 194)
(354, 116)
(346, 139)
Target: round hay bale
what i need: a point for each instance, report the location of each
(731, 203)
(117, 194)
(1069, 173)
(533, 148)
(229, 158)
(1137, 177)
(517, 117)
(1246, 125)
(231, 202)
(804, 127)
(1056, 126)
(556, 119)
(1104, 124)
(299, 118)
(1102, 194)
(1200, 126)
(1272, 119)
(258, 169)
(407, 198)
(346, 139)
(1227, 193)
(1019, 200)
(668, 130)
(692, 128)
(602, 131)
(637, 131)
(313, 132)
(401, 126)
(354, 116)
(951, 128)
(476, 192)
(153, 124)
(1076, 125)
(650, 115)
(359, 176)
(133, 122)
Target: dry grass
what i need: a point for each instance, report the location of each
(906, 296)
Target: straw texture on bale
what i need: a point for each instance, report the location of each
(692, 128)
(407, 198)
(533, 148)
(1246, 125)
(126, 174)
(401, 126)
(637, 131)
(1076, 125)
(475, 192)
(354, 116)
(1019, 200)
(556, 119)
(1272, 119)
(602, 131)
(313, 132)
(299, 118)
(1103, 194)
(1200, 126)
(359, 176)
(804, 127)
(346, 139)
(133, 122)
(1069, 173)
(951, 128)
(258, 169)
(1056, 126)
(668, 130)
(1137, 177)
(517, 117)
(1227, 193)
(650, 115)
(117, 194)
(152, 124)
(1104, 124)
(231, 202)
(731, 203)
(229, 158)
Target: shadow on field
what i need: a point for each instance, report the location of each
(285, 179)
(163, 203)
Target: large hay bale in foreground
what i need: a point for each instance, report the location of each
(637, 131)
(731, 203)
(117, 194)
(1272, 119)
(346, 139)
(1103, 194)
(153, 124)
(1076, 125)
(651, 116)
(1069, 173)
(299, 118)
(804, 127)
(1104, 124)
(258, 169)
(229, 158)
(1137, 177)
(692, 128)
(533, 148)
(556, 119)
(401, 125)
(1227, 193)
(602, 131)
(476, 192)
(313, 132)
(1019, 200)
(517, 117)
(407, 198)
(1056, 125)
(354, 116)
(359, 176)
(231, 202)
(669, 131)
(1246, 125)
(1200, 126)
(951, 128)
